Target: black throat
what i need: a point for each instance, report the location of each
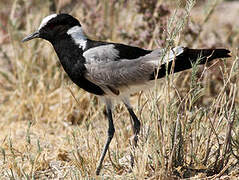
(73, 62)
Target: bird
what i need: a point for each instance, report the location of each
(113, 71)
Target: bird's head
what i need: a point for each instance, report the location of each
(53, 27)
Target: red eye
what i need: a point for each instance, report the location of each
(51, 26)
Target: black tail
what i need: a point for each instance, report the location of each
(205, 55)
(188, 57)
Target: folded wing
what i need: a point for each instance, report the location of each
(107, 68)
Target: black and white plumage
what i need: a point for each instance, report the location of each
(112, 70)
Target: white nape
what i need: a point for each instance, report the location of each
(78, 36)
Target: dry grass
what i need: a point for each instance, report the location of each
(51, 129)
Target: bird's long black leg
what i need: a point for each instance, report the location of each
(136, 122)
(111, 131)
(136, 128)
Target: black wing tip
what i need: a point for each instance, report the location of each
(210, 53)
(221, 53)
(228, 53)
(185, 59)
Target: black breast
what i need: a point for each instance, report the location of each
(70, 56)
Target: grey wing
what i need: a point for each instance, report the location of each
(121, 75)
(124, 72)
(101, 54)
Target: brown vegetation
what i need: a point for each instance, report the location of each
(190, 121)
